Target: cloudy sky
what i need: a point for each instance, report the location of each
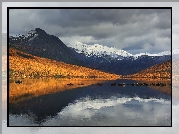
(133, 30)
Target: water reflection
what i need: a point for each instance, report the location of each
(115, 112)
(106, 112)
(166, 89)
(36, 87)
(51, 102)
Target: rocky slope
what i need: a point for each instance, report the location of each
(115, 60)
(26, 65)
(37, 42)
(162, 70)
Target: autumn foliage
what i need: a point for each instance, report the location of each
(23, 65)
(162, 71)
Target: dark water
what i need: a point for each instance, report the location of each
(87, 104)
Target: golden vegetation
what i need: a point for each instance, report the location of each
(36, 87)
(162, 71)
(166, 89)
(26, 65)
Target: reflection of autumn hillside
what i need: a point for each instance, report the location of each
(165, 89)
(162, 70)
(26, 65)
(36, 87)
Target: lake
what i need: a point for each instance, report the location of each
(63, 102)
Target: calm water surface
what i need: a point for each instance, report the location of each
(57, 102)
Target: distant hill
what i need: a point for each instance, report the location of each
(108, 59)
(37, 42)
(115, 60)
(23, 65)
(162, 70)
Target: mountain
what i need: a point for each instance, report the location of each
(117, 61)
(23, 65)
(108, 59)
(99, 51)
(37, 42)
(162, 70)
(157, 54)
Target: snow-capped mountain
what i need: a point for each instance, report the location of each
(99, 50)
(114, 60)
(157, 54)
(174, 52)
(39, 43)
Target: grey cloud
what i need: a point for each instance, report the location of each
(135, 46)
(110, 27)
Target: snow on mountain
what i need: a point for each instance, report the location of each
(174, 51)
(164, 53)
(140, 54)
(33, 37)
(98, 50)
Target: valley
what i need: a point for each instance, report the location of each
(24, 65)
(31, 58)
(38, 54)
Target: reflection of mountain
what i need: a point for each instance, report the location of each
(115, 112)
(41, 98)
(27, 65)
(44, 99)
(39, 43)
(162, 70)
(45, 105)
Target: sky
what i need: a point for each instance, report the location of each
(133, 30)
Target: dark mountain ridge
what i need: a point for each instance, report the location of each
(125, 66)
(37, 42)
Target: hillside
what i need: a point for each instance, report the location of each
(115, 60)
(26, 65)
(162, 70)
(115, 63)
(37, 42)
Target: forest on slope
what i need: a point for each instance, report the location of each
(162, 70)
(23, 65)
